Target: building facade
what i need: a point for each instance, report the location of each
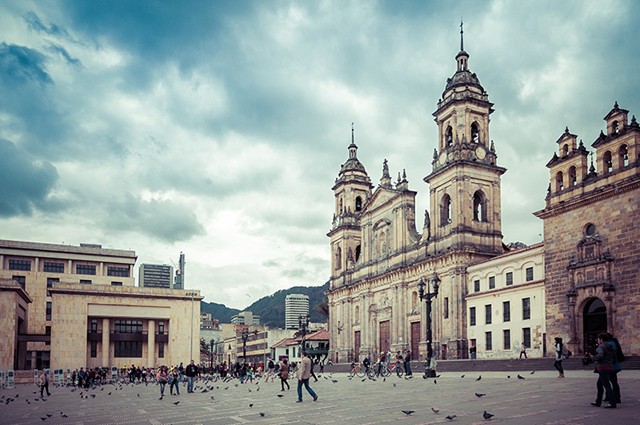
(77, 306)
(295, 306)
(506, 305)
(155, 276)
(591, 233)
(378, 255)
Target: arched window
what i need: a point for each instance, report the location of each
(358, 249)
(565, 150)
(623, 154)
(559, 182)
(358, 203)
(479, 206)
(338, 258)
(356, 314)
(475, 133)
(414, 301)
(445, 210)
(615, 127)
(448, 136)
(607, 163)
(572, 176)
(340, 206)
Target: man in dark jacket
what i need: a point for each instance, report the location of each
(191, 371)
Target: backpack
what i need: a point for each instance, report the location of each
(566, 353)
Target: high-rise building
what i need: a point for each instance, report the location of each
(155, 276)
(295, 305)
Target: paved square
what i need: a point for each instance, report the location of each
(538, 399)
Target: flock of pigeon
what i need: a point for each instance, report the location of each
(208, 384)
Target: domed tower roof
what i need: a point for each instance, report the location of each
(353, 169)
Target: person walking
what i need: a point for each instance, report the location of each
(558, 363)
(191, 371)
(523, 352)
(604, 359)
(617, 367)
(174, 381)
(407, 363)
(284, 374)
(303, 379)
(43, 380)
(162, 378)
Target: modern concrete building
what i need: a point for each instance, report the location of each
(77, 306)
(295, 305)
(155, 276)
(245, 318)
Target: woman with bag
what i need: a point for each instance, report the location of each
(162, 380)
(284, 374)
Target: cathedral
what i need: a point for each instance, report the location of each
(586, 279)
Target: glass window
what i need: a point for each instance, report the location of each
(86, 269)
(506, 311)
(117, 271)
(472, 316)
(487, 314)
(487, 341)
(492, 282)
(526, 308)
(116, 283)
(506, 338)
(51, 267)
(446, 307)
(85, 281)
(94, 349)
(47, 330)
(15, 264)
(161, 350)
(526, 337)
(51, 280)
(127, 349)
(22, 281)
(48, 313)
(127, 326)
(476, 285)
(529, 272)
(509, 278)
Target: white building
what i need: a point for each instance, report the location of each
(295, 305)
(506, 304)
(245, 318)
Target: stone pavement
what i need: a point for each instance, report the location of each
(538, 399)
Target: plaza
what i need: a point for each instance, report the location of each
(540, 398)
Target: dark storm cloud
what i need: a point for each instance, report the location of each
(35, 23)
(26, 182)
(163, 220)
(21, 65)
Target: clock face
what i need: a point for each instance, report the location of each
(480, 153)
(443, 158)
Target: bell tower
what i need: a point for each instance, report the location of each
(465, 178)
(352, 190)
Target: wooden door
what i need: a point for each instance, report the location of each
(385, 336)
(356, 343)
(415, 340)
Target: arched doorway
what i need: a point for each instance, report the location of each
(594, 322)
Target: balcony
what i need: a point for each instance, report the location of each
(162, 337)
(94, 335)
(133, 337)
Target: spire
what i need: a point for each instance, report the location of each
(385, 181)
(461, 36)
(353, 149)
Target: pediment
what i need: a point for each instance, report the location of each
(380, 197)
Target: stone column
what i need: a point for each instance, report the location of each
(105, 342)
(151, 343)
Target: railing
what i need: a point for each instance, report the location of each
(138, 336)
(162, 337)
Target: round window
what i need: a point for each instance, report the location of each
(590, 229)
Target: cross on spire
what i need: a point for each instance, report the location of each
(461, 35)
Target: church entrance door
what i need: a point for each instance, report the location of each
(594, 322)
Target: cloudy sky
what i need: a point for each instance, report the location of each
(218, 128)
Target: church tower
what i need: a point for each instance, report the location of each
(352, 190)
(465, 179)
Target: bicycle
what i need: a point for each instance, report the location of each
(397, 367)
(358, 370)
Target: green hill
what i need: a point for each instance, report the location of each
(271, 308)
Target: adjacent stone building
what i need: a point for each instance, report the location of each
(591, 233)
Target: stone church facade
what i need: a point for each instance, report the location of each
(379, 256)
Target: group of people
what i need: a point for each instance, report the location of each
(606, 358)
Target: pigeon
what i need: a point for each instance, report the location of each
(177, 402)
(520, 377)
(434, 410)
(48, 415)
(479, 378)
(334, 380)
(486, 415)
(532, 372)
(64, 416)
(450, 417)
(508, 376)
(480, 395)
(138, 394)
(408, 412)
(394, 384)
(280, 395)
(250, 404)
(437, 376)
(109, 393)
(262, 414)
(43, 418)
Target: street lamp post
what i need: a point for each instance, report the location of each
(191, 294)
(245, 336)
(211, 359)
(303, 325)
(427, 296)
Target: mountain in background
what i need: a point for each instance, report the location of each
(271, 308)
